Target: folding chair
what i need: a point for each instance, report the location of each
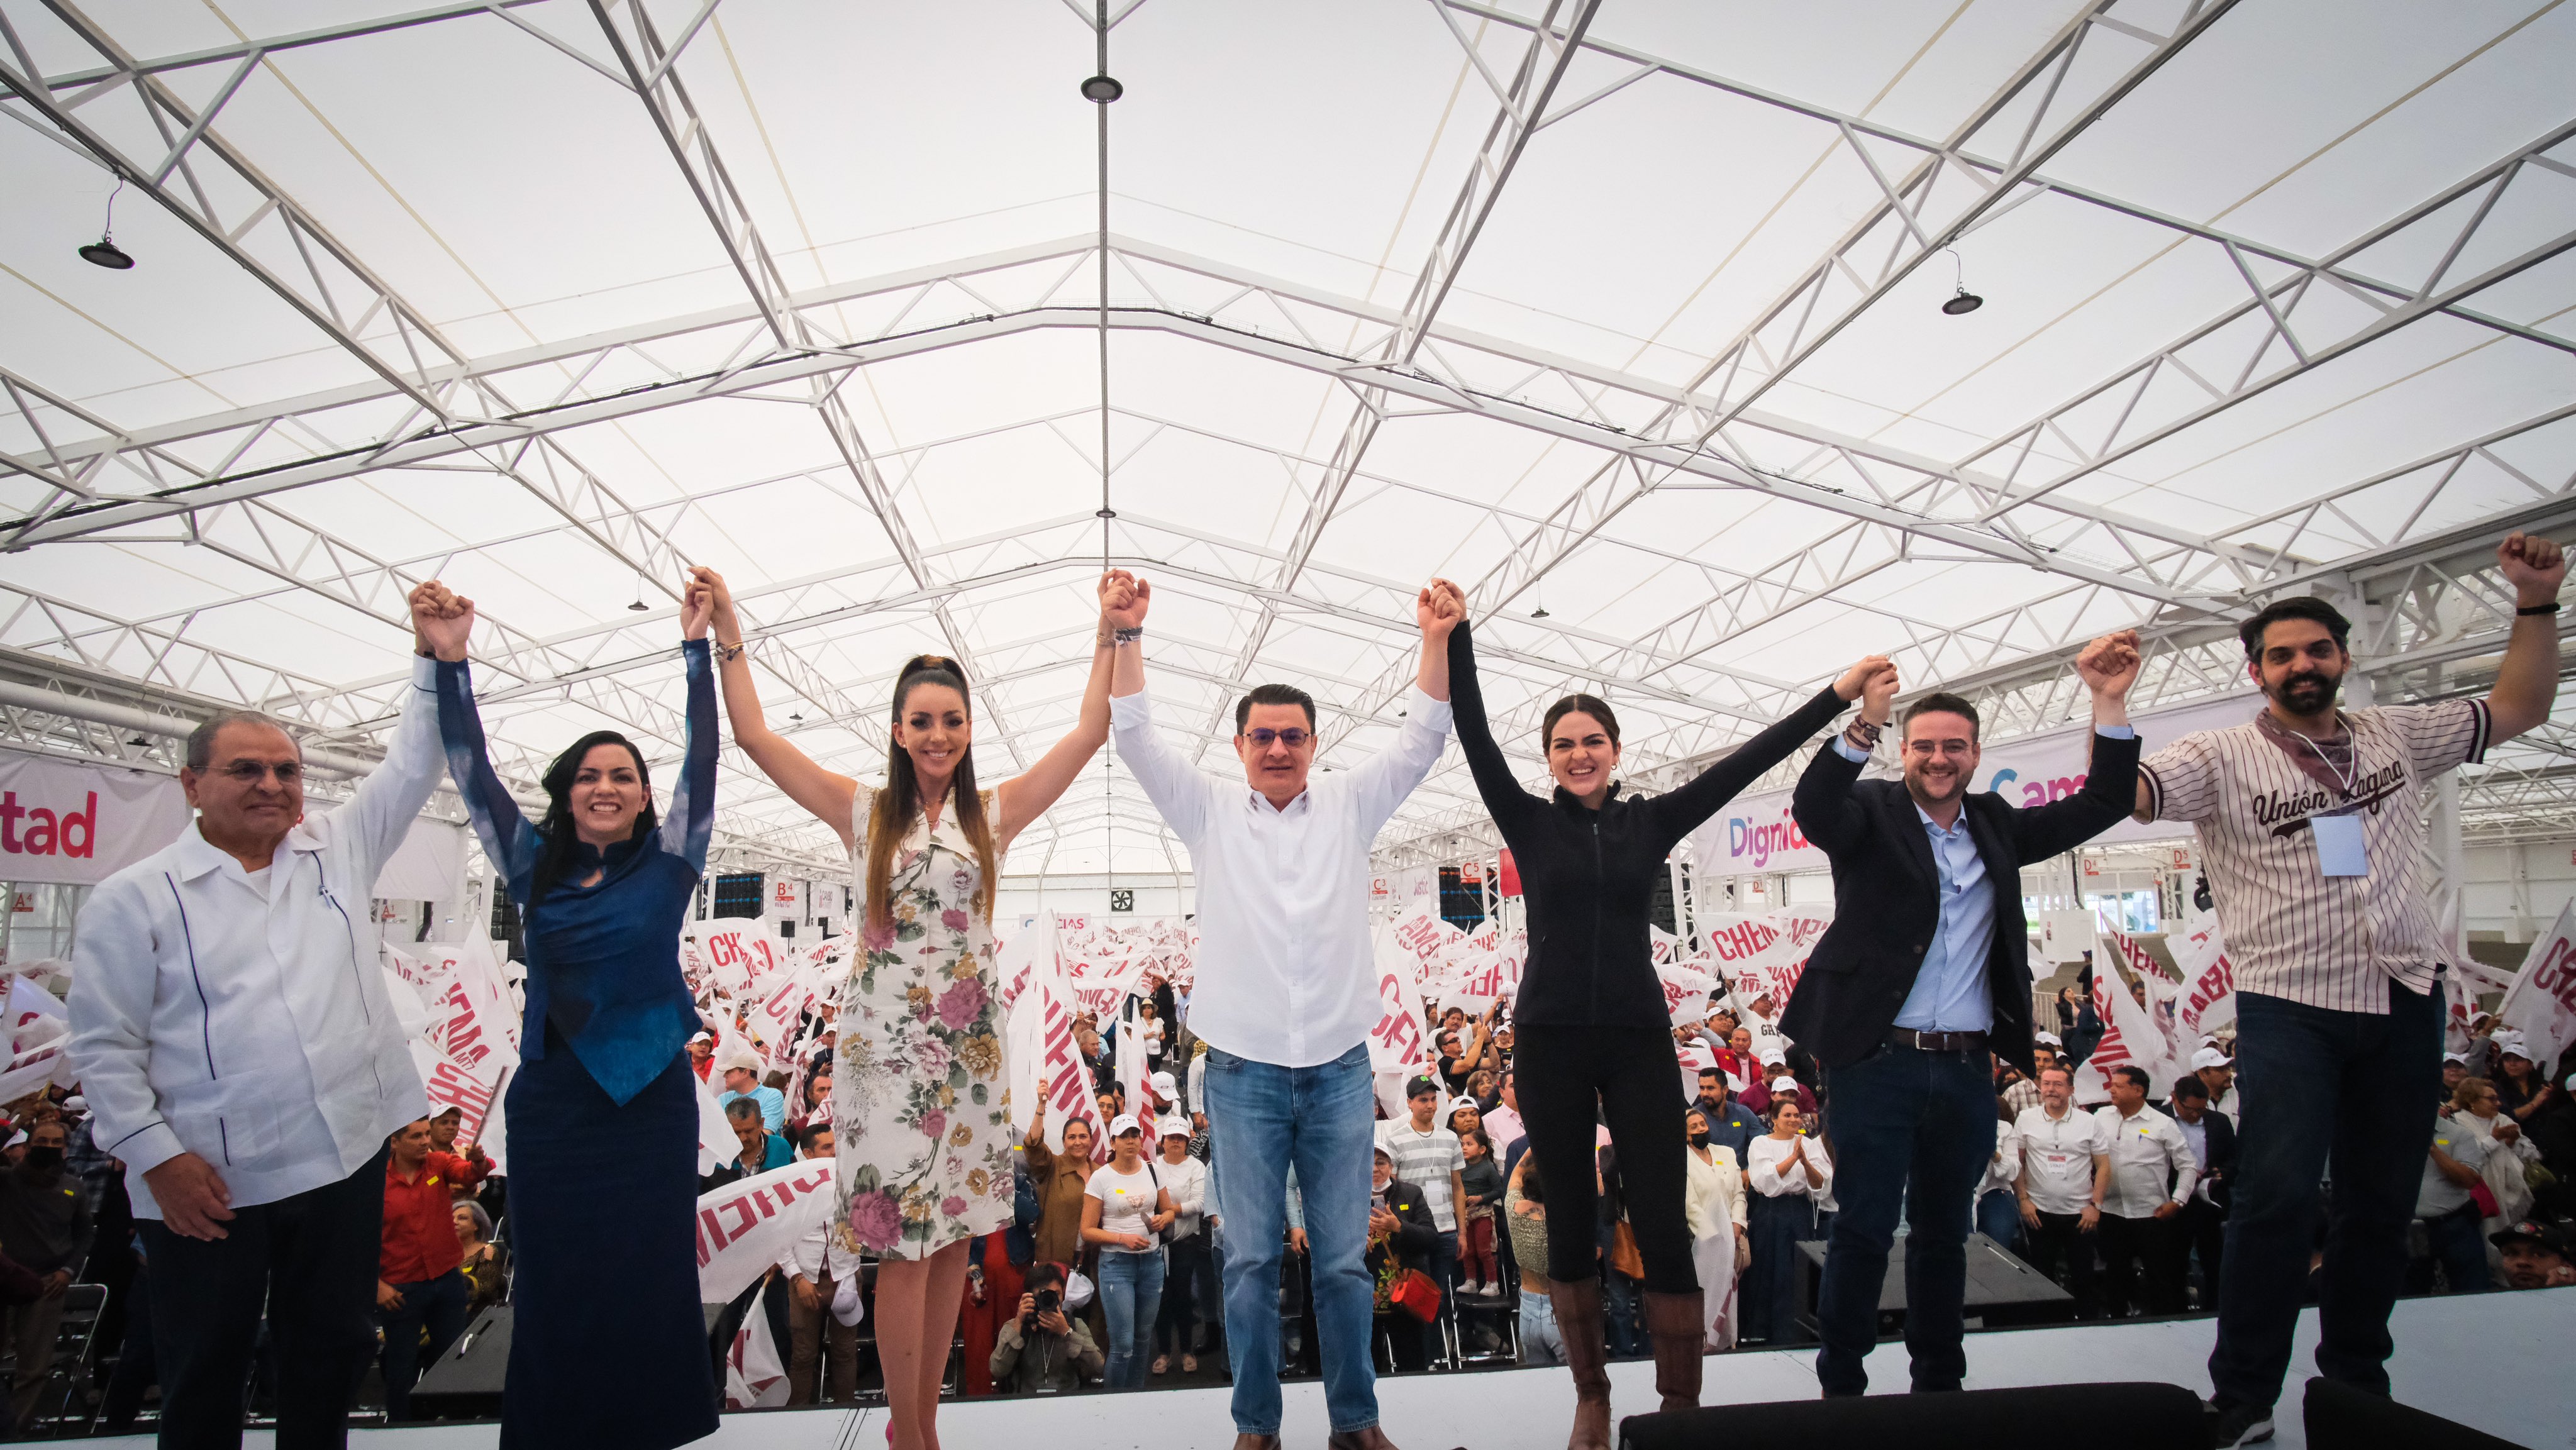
(73, 1340)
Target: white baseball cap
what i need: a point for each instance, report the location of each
(1163, 1085)
(2209, 1057)
(2051, 1038)
(1174, 1126)
(2455, 1057)
(1784, 1084)
(2509, 1040)
(1124, 1124)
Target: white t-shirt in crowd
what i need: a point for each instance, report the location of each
(1153, 1034)
(1126, 1204)
(2057, 1157)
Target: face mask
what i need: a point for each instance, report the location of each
(42, 1157)
(1699, 1140)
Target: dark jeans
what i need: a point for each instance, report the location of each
(1631, 1071)
(2203, 1231)
(1187, 1261)
(2350, 1091)
(1912, 1129)
(2061, 1249)
(1999, 1218)
(437, 1305)
(1442, 1265)
(136, 1371)
(2461, 1250)
(311, 1261)
(2141, 1265)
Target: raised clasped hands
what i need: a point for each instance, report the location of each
(1123, 600)
(719, 604)
(1438, 608)
(2109, 664)
(1871, 670)
(441, 621)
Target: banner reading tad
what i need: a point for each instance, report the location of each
(79, 824)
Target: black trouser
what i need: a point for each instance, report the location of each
(2203, 1231)
(311, 1260)
(135, 1369)
(2141, 1265)
(434, 1305)
(1631, 1071)
(2061, 1249)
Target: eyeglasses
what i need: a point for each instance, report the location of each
(252, 772)
(1292, 737)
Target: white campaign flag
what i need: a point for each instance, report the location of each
(747, 1226)
(754, 1378)
(2541, 1004)
(1396, 1043)
(2129, 1035)
(1686, 990)
(2208, 1000)
(39, 1029)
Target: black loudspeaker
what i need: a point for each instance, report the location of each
(465, 1382)
(2338, 1415)
(2112, 1416)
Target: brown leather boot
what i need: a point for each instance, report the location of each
(1255, 1442)
(1673, 1322)
(1371, 1438)
(1587, 1353)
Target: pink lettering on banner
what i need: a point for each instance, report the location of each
(2555, 975)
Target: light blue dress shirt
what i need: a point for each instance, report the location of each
(1949, 992)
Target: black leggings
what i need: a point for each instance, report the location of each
(1558, 1074)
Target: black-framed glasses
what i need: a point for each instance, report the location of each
(1292, 737)
(252, 772)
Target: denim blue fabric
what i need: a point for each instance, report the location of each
(1131, 1292)
(1999, 1218)
(1540, 1341)
(1321, 1120)
(1912, 1133)
(2346, 1093)
(603, 960)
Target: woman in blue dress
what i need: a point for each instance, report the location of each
(607, 1346)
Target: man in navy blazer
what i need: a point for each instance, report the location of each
(1925, 970)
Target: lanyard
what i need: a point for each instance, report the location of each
(2344, 779)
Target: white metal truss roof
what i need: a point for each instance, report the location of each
(1625, 315)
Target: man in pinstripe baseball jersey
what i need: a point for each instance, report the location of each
(2310, 818)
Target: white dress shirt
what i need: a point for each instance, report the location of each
(1285, 974)
(242, 1016)
(2057, 1157)
(2003, 1170)
(815, 1250)
(2150, 1162)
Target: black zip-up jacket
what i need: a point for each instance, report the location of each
(1589, 877)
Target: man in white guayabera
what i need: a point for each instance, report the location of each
(1286, 995)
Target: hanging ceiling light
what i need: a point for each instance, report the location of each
(105, 252)
(1965, 301)
(1102, 89)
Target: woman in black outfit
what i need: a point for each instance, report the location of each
(1590, 1017)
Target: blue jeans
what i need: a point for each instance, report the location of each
(1540, 1342)
(2354, 1090)
(1912, 1133)
(1322, 1119)
(1999, 1218)
(2459, 1244)
(1131, 1291)
(439, 1306)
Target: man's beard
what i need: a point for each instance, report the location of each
(2306, 693)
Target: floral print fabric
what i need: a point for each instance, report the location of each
(920, 1093)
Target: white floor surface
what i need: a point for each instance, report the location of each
(2498, 1362)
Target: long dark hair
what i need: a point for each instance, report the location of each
(556, 832)
(1578, 704)
(891, 818)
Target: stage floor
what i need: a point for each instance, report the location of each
(2497, 1362)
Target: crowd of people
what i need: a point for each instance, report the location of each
(1549, 1187)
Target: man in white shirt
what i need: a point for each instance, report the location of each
(2217, 1072)
(2152, 1173)
(234, 1038)
(1286, 997)
(2063, 1171)
(822, 1348)
(2447, 1206)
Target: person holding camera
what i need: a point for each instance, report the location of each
(1044, 1351)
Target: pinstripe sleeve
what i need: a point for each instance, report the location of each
(2182, 780)
(2441, 735)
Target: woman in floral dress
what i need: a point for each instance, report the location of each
(919, 1087)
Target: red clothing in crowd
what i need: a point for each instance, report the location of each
(420, 1219)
